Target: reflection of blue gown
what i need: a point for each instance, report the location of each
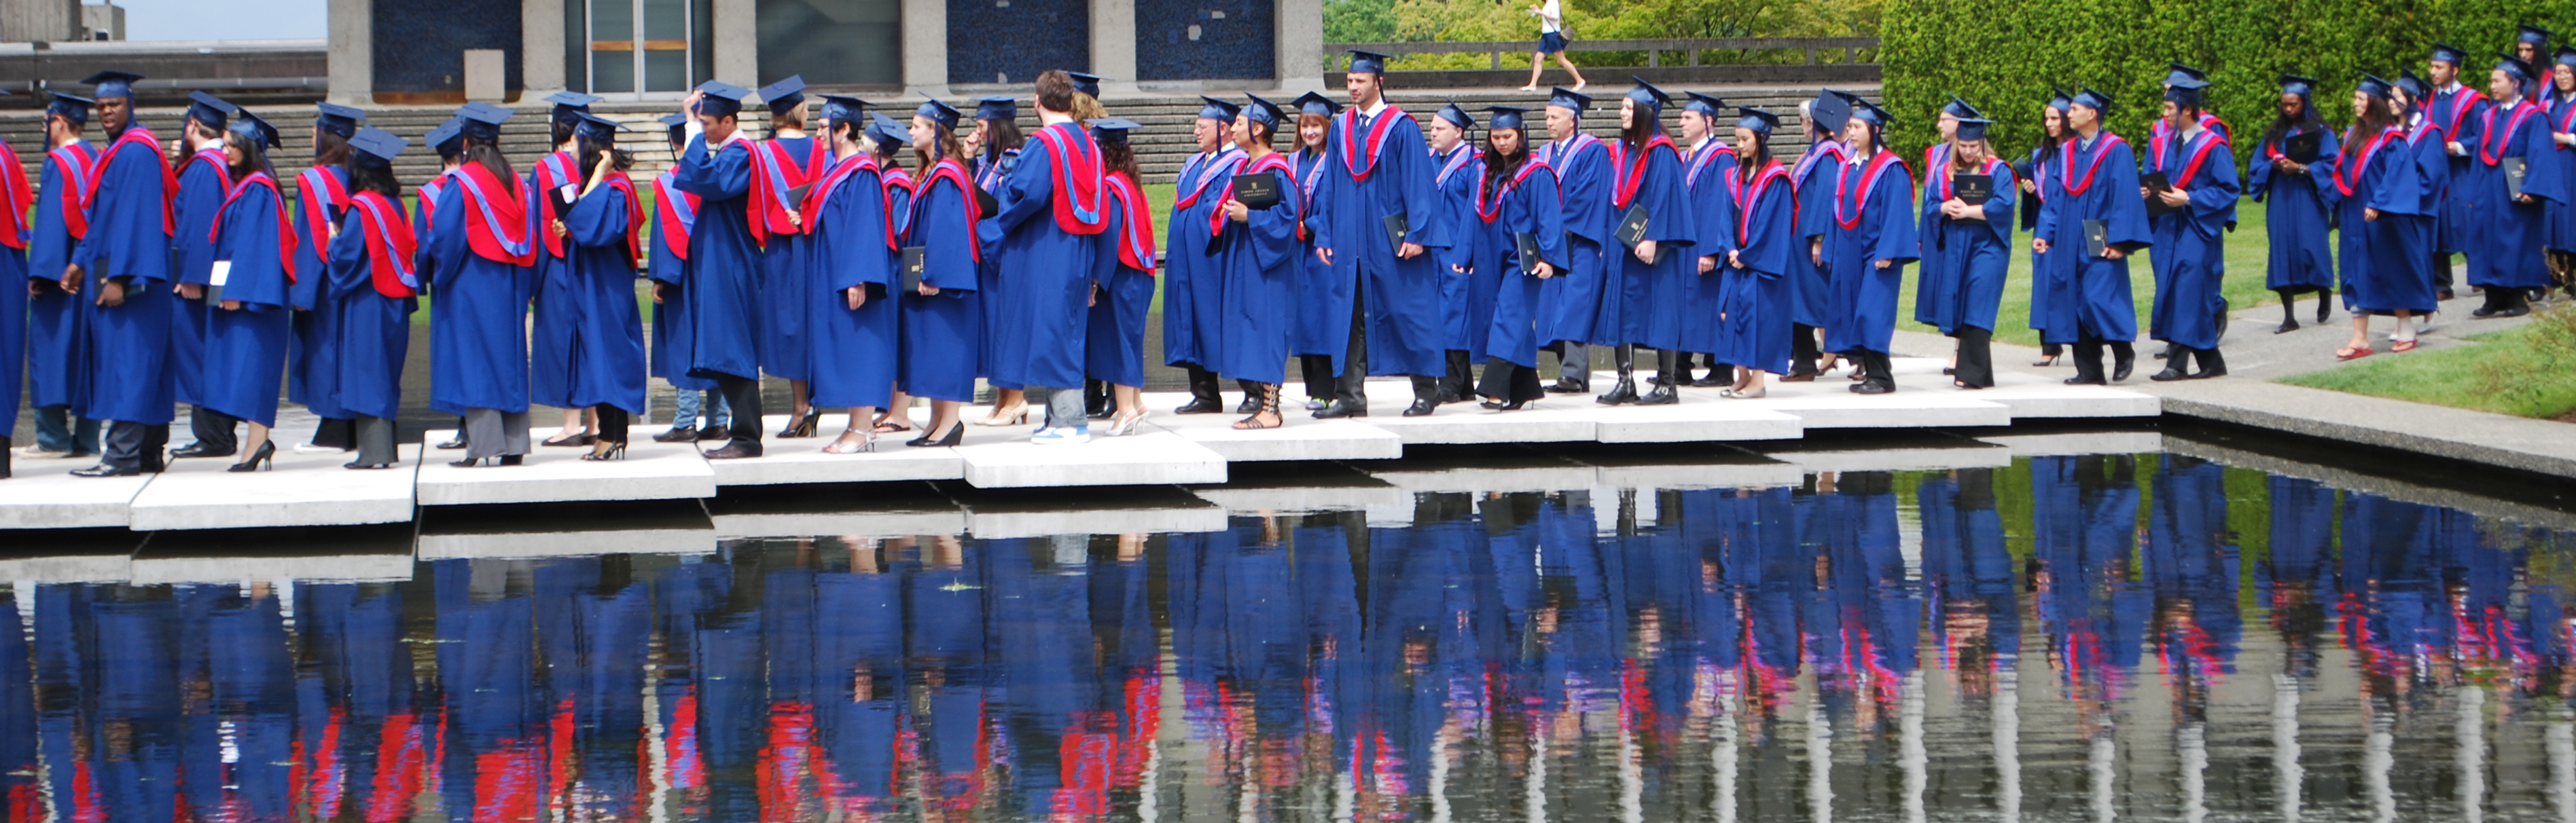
(2188, 559)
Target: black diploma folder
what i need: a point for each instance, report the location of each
(1395, 230)
(1527, 245)
(1632, 226)
(2097, 237)
(2515, 170)
(2305, 147)
(796, 196)
(1258, 191)
(2156, 185)
(215, 279)
(1973, 189)
(912, 269)
(564, 195)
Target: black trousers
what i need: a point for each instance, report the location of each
(2088, 355)
(338, 433)
(213, 430)
(1351, 386)
(1460, 381)
(375, 436)
(613, 422)
(1318, 372)
(1803, 351)
(742, 394)
(1509, 381)
(1976, 357)
(1874, 365)
(135, 445)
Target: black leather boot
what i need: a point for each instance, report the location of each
(1668, 377)
(1203, 399)
(2212, 364)
(1625, 391)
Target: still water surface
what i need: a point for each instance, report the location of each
(2061, 638)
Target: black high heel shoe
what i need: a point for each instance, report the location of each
(956, 434)
(802, 426)
(616, 451)
(266, 455)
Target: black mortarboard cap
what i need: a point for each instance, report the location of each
(2302, 86)
(1960, 109)
(449, 137)
(721, 98)
(1563, 97)
(70, 107)
(1654, 99)
(1456, 115)
(1368, 62)
(112, 83)
(256, 130)
(676, 127)
(939, 112)
(337, 119)
(1749, 117)
(784, 94)
(569, 105)
(1829, 111)
(1973, 128)
(997, 107)
(209, 109)
(1505, 117)
(1263, 111)
(482, 121)
(597, 129)
(2448, 53)
(2534, 35)
(1085, 83)
(377, 147)
(1312, 103)
(1218, 109)
(1708, 106)
(1113, 131)
(2091, 98)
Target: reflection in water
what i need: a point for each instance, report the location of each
(2101, 637)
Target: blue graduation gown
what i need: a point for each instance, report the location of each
(1646, 303)
(13, 326)
(553, 328)
(56, 323)
(1314, 277)
(308, 384)
(1974, 256)
(2508, 237)
(1526, 207)
(2075, 293)
(1931, 272)
(605, 361)
(724, 316)
(785, 287)
(1193, 279)
(1258, 258)
(1402, 294)
(854, 352)
(1708, 182)
(1760, 299)
(1860, 309)
(374, 332)
(129, 345)
(989, 173)
(478, 338)
(943, 334)
(670, 322)
(2191, 242)
(2460, 113)
(246, 347)
(1818, 173)
(2384, 265)
(1114, 347)
(2562, 215)
(2295, 218)
(1462, 317)
(1047, 305)
(1570, 302)
(202, 187)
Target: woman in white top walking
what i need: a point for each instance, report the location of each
(1551, 41)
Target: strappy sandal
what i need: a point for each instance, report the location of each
(842, 445)
(1269, 406)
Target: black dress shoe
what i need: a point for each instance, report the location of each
(715, 432)
(1422, 407)
(2173, 371)
(736, 450)
(677, 435)
(1339, 409)
(1873, 386)
(1251, 404)
(1511, 406)
(1198, 405)
(1662, 396)
(1625, 391)
(199, 450)
(2515, 311)
(2287, 326)
(2080, 380)
(105, 470)
(1569, 387)
(452, 443)
(2121, 366)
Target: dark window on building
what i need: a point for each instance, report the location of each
(1011, 41)
(1205, 39)
(832, 42)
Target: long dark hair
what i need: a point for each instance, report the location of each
(1641, 127)
(1000, 136)
(2375, 118)
(254, 156)
(2050, 143)
(1121, 158)
(588, 158)
(1499, 166)
(1761, 152)
(488, 153)
(374, 177)
(947, 143)
(329, 148)
(2282, 126)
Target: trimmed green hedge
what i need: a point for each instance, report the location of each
(2002, 55)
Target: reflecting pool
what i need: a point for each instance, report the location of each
(2037, 637)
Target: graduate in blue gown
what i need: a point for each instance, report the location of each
(204, 182)
(1709, 177)
(2458, 110)
(56, 322)
(2381, 184)
(1193, 285)
(943, 335)
(477, 264)
(15, 287)
(1866, 247)
(1974, 242)
(853, 325)
(554, 331)
(789, 160)
(1763, 259)
(2083, 298)
(1516, 195)
(603, 237)
(992, 150)
(1394, 283)
(1122, 305)
(246, 336)
(2294, 208)
(122, 267)
(1570, 300)
(667, 259)
(2032, 171)
(723, 280)
(1466, 293)
(2559, 103)
(1315, 116)
(1047, 212)
(2190, 255)
(1645, 287)
(1256, 250)
(322, 199)
(1931, 273)
(2511, 231)
(1816, 175)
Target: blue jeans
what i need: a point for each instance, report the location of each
(691, 402)
(56, 432)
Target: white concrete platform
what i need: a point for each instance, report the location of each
(68, 568)
(1748, 472)
(651, 471)
(1001, 457)
(1093, 512)
(2070, 443)
(42, 494)
(300, 490)
(1702, 416)
(343, 568)
(1302, 437)
(865, 523)
(1897, 457)
(802, 460)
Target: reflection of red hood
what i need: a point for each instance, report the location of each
(508, 783)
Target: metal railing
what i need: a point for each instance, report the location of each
(1654, 49)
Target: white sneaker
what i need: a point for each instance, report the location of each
(34, 452)
(1060, 435)
(308, 448)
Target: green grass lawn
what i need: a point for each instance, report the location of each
(2520, 371)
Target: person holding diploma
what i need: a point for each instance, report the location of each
(603, 371)
(122, 267)
(1818, 172)
(1866, 247)
(2515, 176)
(1256, 248)
(372, 289)
(1571, 300)
(204, 182)
(2561, 99)
(1934, 281)
(1644, 296)
(2459, 111)
(2053, 134)
(1114, 351)
(2294, 207)
(1762, 264)
(943, 317)
(1314, 347)
(2090, 220)
(552, 332)
(2378, 189)
(1466, 297)
(1973, 237)
(1521, 235)
(856, 254)
(1193, 281)
(246, 333)
(477, 263)
(1378, 236)
(2198, 170)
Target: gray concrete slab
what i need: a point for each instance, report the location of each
(1301, 437)
(42, 494)
(651, 471)
(802, 460)
(301, 490)
(1001, 457)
